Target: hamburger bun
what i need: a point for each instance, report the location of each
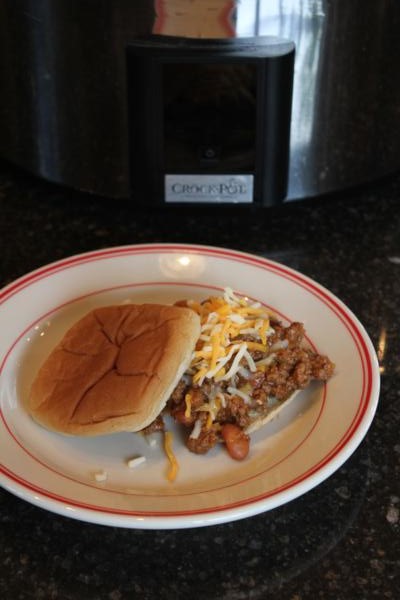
(115, 369)
(272, 412)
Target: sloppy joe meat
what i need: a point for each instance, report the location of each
(156, 425)
(292, 367)
(207, 439)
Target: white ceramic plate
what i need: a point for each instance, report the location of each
(312, 438)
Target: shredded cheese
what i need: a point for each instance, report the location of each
(220, 396)
(173, 463)
(256, 346)
(223, 319)
(265, 362)
(236, 361)
(196, 430)
(188, 402)
(136, 461)
(222, 351)
(209, 420)
(250, 361)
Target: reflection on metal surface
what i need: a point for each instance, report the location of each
(197, 18)
(304, 23)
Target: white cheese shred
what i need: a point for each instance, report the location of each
(250, 361)
(196, 430)
(236, 362)
(100, 475)
(136, 461)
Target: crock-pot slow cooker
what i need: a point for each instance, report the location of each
(257, 101)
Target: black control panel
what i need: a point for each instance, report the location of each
(209, 119)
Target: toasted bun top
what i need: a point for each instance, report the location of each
(115, 369)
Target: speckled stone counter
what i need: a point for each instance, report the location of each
(341, 540)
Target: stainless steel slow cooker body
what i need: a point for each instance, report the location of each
(64, 107)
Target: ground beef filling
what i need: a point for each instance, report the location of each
(156, 425)
(290, 367)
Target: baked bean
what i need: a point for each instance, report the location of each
(236, 440)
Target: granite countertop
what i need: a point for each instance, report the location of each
(340, 540)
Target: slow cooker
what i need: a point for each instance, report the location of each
(193, 101)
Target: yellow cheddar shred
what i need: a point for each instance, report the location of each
(232, 326)
(196, 306)
(263, 331)
(219, 374)
(249, 310)
(224, 310)
(215, 343)
(256, 346)
(197, 376)
(173, 463)
(188, 403)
